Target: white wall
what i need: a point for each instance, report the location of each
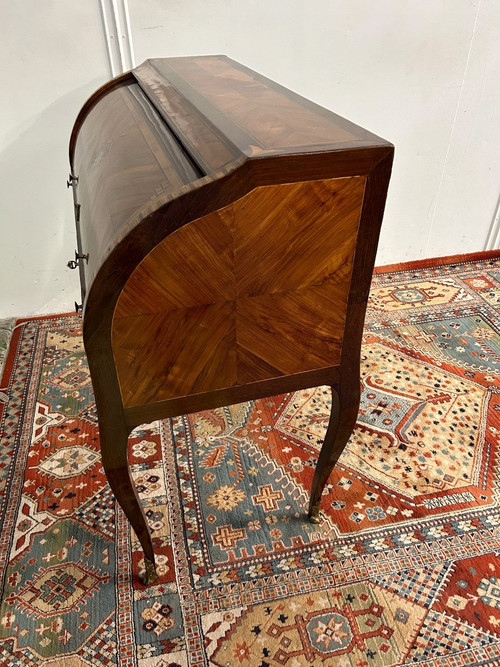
(423, 74)
(53, 57)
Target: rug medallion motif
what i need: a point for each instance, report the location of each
(402, 570)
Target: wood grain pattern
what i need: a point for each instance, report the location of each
(254, 291)
(231, 227)
(296, 235)
(272, 120)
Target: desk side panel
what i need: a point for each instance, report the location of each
(254, 291)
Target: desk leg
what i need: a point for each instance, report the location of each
(342, 421)
(114, 447)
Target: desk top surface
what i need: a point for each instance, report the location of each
(259, 115)
(221, 110)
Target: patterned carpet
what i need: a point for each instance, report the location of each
(403, 569)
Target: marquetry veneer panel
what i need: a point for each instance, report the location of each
(253, 291)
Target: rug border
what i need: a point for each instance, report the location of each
(431, 262)
(31, 318)
(8, 364)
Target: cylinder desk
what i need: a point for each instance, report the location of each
(226, 236)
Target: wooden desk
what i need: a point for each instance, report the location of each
(226, 233)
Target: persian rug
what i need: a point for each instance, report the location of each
(404, 568)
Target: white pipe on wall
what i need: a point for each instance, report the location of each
(124, 38)
(118, 35)
(493, 240)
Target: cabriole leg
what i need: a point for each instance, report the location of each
(342, 421)
(114, 446)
